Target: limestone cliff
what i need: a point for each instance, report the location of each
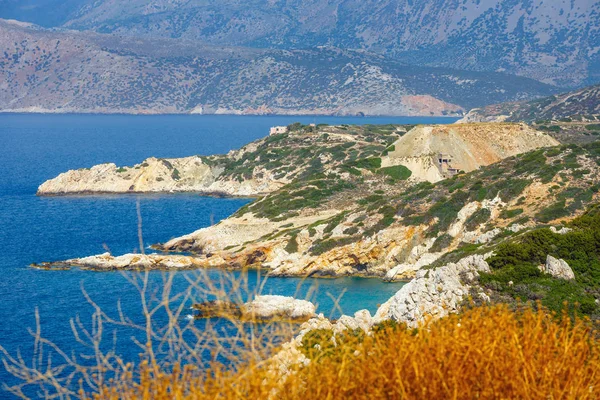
(188, 174)
(152, 175)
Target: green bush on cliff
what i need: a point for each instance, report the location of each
(479, 217)
(555, 211)
(593, 127)
(446, 210)
(515, 269)
(441, 243)
(292, 244)
(397, 172)
(368, 163)
(323, 246)
(508, 214)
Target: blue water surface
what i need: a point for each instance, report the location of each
(34, 148)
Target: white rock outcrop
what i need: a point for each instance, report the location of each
(153, 175)
(273, 306)
(405, 270)
(362, 320)
(434, 293)
(558, 268)
(560, 231)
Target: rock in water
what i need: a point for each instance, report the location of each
(261, 309)
(271, 307)
(217, 309)
(558, 268)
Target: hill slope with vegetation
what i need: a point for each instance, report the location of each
(581, 105)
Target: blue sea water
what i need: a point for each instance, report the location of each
(34, 148)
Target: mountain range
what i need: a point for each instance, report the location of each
(49, 70)
(556, 42)
(393, 57)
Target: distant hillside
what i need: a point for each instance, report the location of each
(583, 102)
(556, 41)
(69, 71)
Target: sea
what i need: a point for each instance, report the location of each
(34, 148)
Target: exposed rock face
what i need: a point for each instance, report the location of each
(562, 231)
(271, 307)
(263, 309)
(433, 293)
(188, 174)
(469, 146)
(235, 231)
(152, 175)
(558, 268)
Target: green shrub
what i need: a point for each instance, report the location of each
(446, 210)
(351, 231)
(517, 261)
(397, 172)
(368, 163)
(555, 211)
(324, 246)
(479, 217)
(441, 243)
(508, 214)
(595, 128)
(296, 126)
(292, 244)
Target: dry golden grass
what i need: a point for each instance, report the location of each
(485, 353)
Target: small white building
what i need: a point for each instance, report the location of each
(275, 130)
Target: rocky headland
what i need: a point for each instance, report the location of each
(380, 201)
